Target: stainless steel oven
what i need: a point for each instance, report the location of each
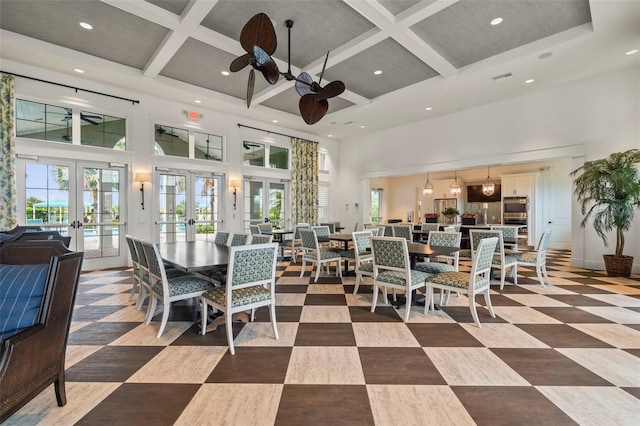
(515, 210)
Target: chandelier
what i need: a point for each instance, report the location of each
(455, 185)
(428, 188)
(489, 186)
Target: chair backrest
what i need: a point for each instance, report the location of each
(297, 228)
(221, 238)
(444, 239)
(132, 250)
(430, 227)
(261, 239)
(507, 231)
(355, 227)
(449, 228)
(156, 267)
(254, 229)
(309, 239)
(374, 231)
(330, 225)
(476, 235)
(369, 226)
(482, 262)
(250, 266)
(403, 231)
(388, 231)
(362, 242)
(543, 245)
(322, 230)
(142, 256)
(238, 239)
(390, 253)
(265, 227)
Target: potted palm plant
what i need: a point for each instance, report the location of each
(608, 191)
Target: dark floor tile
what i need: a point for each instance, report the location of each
(94, 313)
(571, 315)
(217, 337)
(112, 363)
(325, 299)
(89, 298)
(509, 405)
(291, 274)
(248, 366)
(509, 288)
(496, 300)
(100, 333)
(325, 334)
(179, 312)
(382, 314)
(142, 403)
(84, 288)
(291, 288)
(584, 289)
(562, 336)
(442, 335)
(362, 289)
(578, 300)
(635, 352)
(283, 314)
(381, 366)
(548, 367)
(324, 405)
(633, 391)
(325, 279)
(463, 314)
(634, 308)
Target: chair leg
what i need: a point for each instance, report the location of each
(165, 316)
(141, 297)
(151, 308)
(407, 306)
(134, 288)
(374, 300)
(514, 273)
(203, 317)
(358, 279)
(487, 301)
(229, 326)
(304, 267)
(318, 267)
(544, 271)
(274, 324)
(428, 294)
(503, 275)
(472, 308)
(539, 274)
(61, 394)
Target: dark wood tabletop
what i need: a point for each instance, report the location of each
(426, 250)
(192, 256)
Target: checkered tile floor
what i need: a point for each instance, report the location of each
(564, 354)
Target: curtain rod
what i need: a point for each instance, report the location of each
(269, 131)
(71, 87)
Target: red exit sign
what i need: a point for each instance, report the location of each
(193, 115)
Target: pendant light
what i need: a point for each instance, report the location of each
(489, 186)
(455, 186)
(428, 188)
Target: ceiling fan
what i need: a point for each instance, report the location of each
(313, 103)
(162, 131)
(209, 156)
(89, 118)
(258, 39)
(249, 145)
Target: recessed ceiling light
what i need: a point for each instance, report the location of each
(496, 21)
(330, 136)
(362, 127)
(78, 70)
(274, 121)
(224, 72)
(545, 55)
(198, 101)
(377, 72)
(529, 81)
(428, 109)
(86, 25)
(632, 52)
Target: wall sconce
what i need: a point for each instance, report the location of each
(235, 184)
(142, 178)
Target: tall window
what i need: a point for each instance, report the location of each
(323, 203)
(376, 205)
(323, 161)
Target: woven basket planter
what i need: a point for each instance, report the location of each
(618, 266)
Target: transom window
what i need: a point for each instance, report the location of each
(255, 153)
(208, 147)
(175, 141)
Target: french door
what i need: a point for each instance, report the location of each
(80, 199)
(188, 205)
(266, 200)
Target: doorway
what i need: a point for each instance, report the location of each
(266, 200)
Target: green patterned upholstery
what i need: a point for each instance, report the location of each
(251, 282)
(295, 244)
(254, 229)
(500, 260)
(527, 257)
(261, 239)
(430, 227)
(403, 231)
(471, 283)
(362, 256)
(434, 267)
(388, 252)
(167, 290)
(221, 238)
(538, 258)
(321, 231)
(465, 254)
(365, 267)
(399, 277)
(265, 228)
(239, 239)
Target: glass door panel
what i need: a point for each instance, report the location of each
(173, 208)
(206, 209)
(262, 205)
(47, 196)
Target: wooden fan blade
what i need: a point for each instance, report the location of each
(240, 62)
(250, 84)
(259, 31)
(266, 65)
(311, 110)
(330, 90)
(303, 84)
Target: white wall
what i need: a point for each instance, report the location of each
(584, 120)
(140, 139)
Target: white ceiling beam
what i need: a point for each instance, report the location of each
(191, 18)
(421, 11)
(148, 11)
(403, 35)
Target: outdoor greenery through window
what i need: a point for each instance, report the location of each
(172, 141)
(208, 147)
(278, 158)
(376, 205)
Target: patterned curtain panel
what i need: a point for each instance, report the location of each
(8, 203)
(304, 181)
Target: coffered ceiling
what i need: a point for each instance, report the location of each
(441, 54)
